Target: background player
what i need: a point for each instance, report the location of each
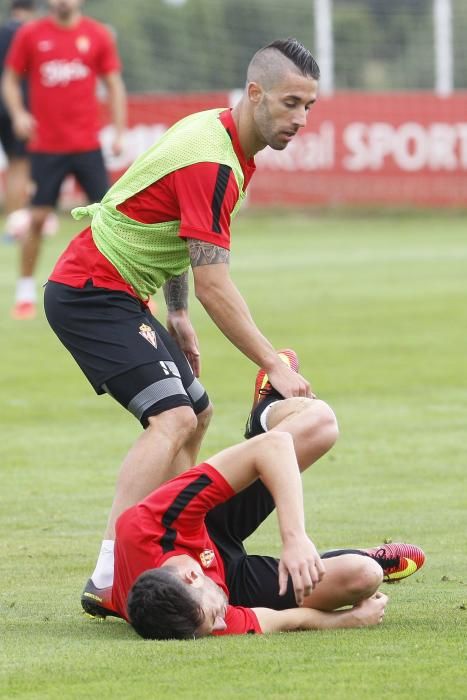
(61, 55)
(17, 178)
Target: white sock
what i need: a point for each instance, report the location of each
(103, 575)
(264, 416)
(26, 290)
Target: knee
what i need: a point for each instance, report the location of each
(204, 418)
(365, 577)
(179, 424)
(325, 423)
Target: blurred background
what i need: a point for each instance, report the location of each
(389, 129)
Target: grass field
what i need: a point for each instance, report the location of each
(376, 307)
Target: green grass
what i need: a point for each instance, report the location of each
(376, 307)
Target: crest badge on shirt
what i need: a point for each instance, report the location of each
(83, 43)
(207, 557)
(148, 334)
(45, 45)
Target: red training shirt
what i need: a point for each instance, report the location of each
(168, 523)
(61, 65)
(187, 195)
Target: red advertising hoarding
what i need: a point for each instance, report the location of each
(392, 149)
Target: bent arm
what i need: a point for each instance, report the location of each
(271, 457)
(367, 613)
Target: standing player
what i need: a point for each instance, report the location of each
(170, 210)
(61, 55)
(17, 171)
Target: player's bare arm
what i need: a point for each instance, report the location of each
(365, 614)
(178, 322)
(118, 109)
(23, 121)
(202, 253)
(225, 305)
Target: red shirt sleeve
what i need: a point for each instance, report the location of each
(18, 56)
(207, 193)
(108, 60)
(202, 196)
(240, 621)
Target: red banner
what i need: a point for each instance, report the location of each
(393, 149)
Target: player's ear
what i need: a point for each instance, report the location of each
(255, 92)
(219, 624)
(193, 578)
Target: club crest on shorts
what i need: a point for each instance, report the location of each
(206, 558)
(148, 334)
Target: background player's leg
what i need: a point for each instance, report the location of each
(47, 173)
(17, 184)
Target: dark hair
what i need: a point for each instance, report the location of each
(22, 5)
(298, 54)
(161, 606)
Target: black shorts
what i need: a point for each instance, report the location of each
(13, 147)
(49, 170)
(123, 350)
(252, 579)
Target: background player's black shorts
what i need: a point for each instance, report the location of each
(49, 170)
(123, 350)
(13, 147)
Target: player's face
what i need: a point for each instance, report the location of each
(214, 605)
(281, 111)
(64, 9)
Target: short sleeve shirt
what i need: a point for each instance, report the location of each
(168, 523)
(185, 195)
(62, 65)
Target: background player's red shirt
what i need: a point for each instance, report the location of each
(61, 64)
(186, 195)
(168, 523)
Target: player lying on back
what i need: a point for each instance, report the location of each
(181, 570)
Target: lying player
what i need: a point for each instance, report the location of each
(181, 570)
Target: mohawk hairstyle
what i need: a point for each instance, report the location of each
(298, 54)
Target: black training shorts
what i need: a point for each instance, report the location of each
(49, 170)
(252, 580)
(13, 147)
(123, 350)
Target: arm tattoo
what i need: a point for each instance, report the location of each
(176, 292)
(202, 253)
